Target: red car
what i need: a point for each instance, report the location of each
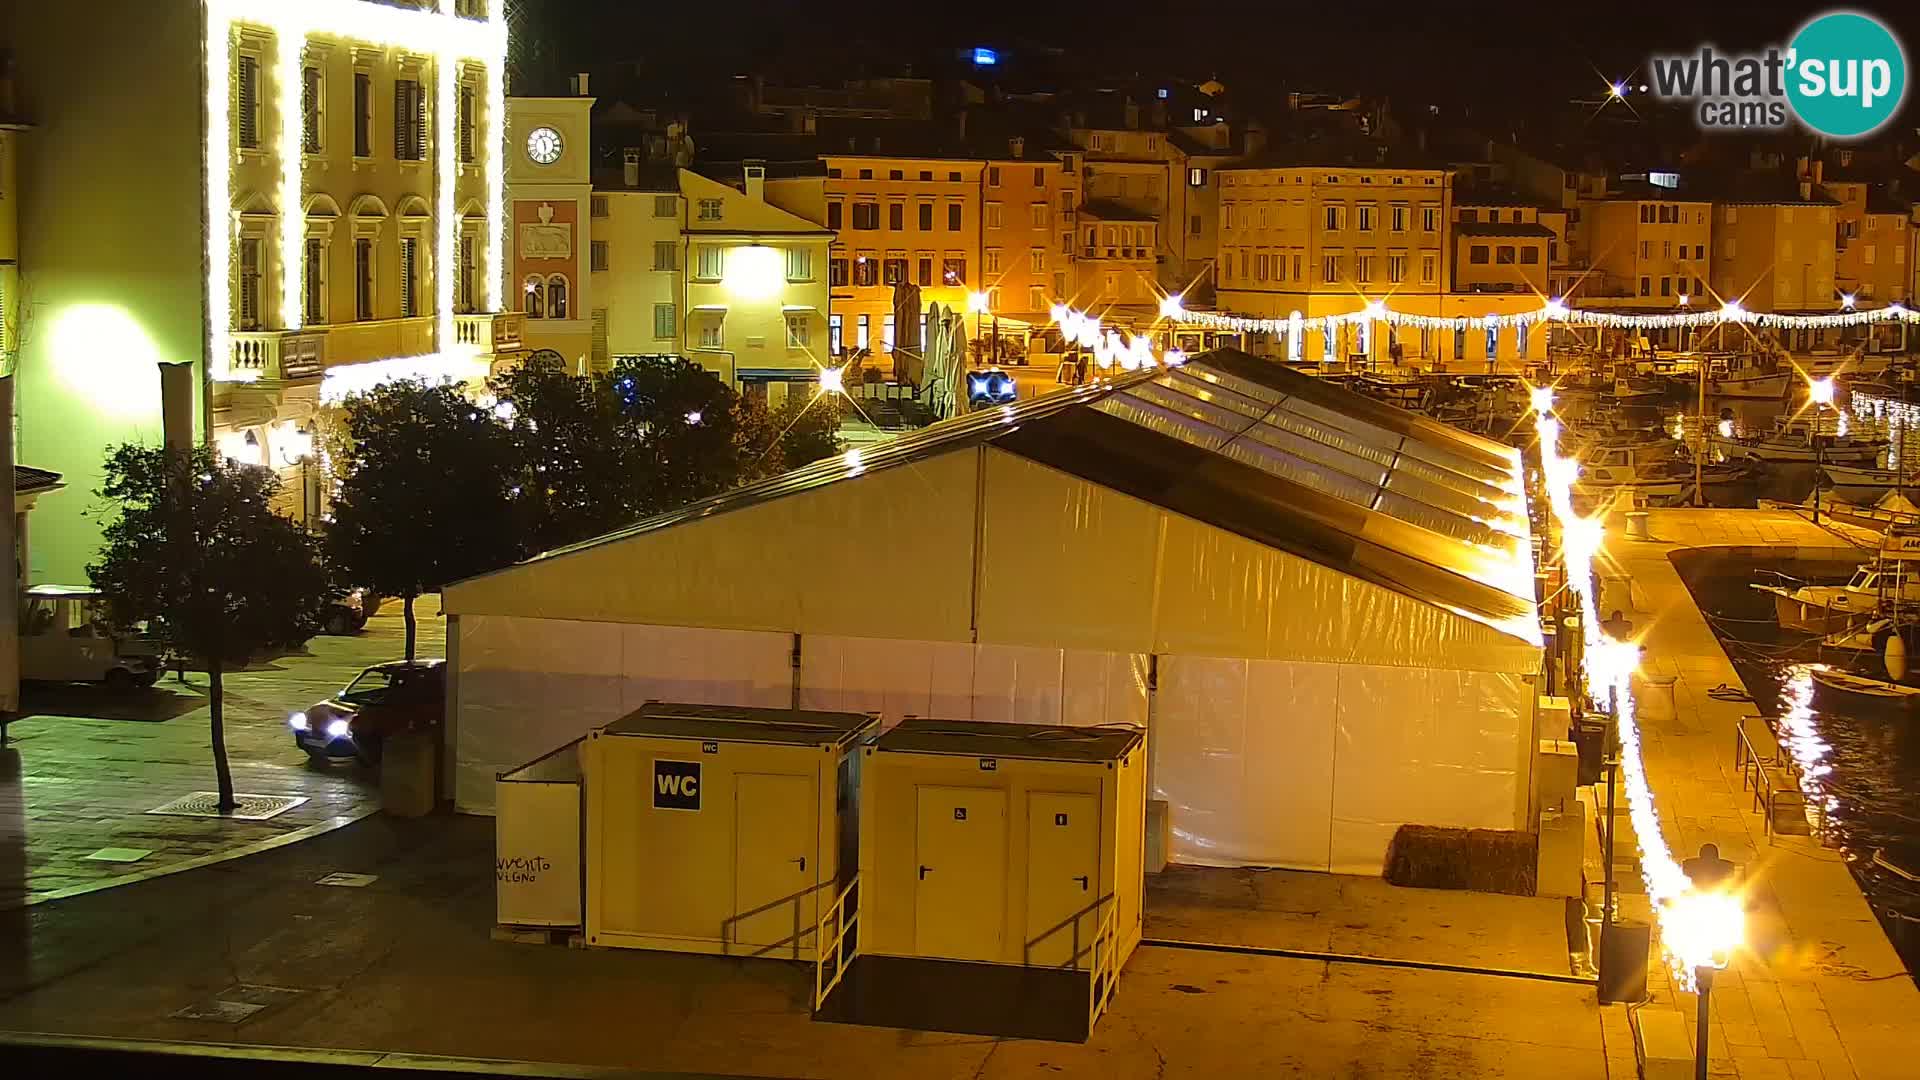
(381, 701)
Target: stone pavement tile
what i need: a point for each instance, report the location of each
(1759, 1069)
(1742, 1035)
(86, 782)
(1806, 1070)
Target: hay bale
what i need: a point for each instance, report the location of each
(1480, 860)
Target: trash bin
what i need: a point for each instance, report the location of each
(1653, 697)
(1624, 947)
(407, 773)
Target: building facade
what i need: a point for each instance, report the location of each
(897, 220)
(1776, 255)
(1644, 251)
(550, 189)
(754, 295)
(345, 150)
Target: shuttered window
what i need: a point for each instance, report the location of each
(310, 110)
(409, 121)
(316, 282)
(249, 283)
(246, 105)
(409, 266)
(466, 123)
(363, 279)
(362, 114)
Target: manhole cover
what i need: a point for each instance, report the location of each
(251, 808)
(349, 881)
(120, 854)
(237, 1003)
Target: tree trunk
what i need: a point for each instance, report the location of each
(407, 606)
(216, 700)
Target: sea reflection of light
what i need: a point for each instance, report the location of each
(1801, 737)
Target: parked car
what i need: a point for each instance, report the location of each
(380, 702)
(65, 637)
(347, 612)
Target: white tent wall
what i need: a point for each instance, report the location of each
(1315, 766)
(955, 681)
(523, 686)
(1428, 747)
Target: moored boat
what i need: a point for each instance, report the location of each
(1848, 690)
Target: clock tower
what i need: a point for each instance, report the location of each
(550, 215)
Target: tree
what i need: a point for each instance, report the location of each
(196, 552)
(801, 431)
(582, 471)
(683, 419)
(427, 494)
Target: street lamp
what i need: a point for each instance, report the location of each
(1702, 929)
(1820, 395)
(977, 303)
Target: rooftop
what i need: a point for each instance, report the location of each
(988, 739)
(732, 723)
(1342, 153)
(1503, 228)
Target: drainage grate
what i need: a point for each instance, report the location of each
(120, 854)
(237, 1003)
(251, 808)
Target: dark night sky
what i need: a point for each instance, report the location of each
(1498, 53)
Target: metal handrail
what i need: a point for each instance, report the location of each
(1101, 973)
(1771, 793)
(832, 948)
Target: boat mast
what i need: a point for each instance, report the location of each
(1700, 443)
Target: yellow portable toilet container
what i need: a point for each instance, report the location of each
(998, 844)
(716, 829)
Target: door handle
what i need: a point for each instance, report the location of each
(802, 860)
(1082, 879)
(923, 872)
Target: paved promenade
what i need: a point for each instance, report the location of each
(1820, 992)
(85, 765)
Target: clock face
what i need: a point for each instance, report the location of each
(543, 145)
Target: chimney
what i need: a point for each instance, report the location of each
(1017, 147)
(962, 121)
(1806, 189)
(1819, 171)
(756, 180)
(582, 85)
(630, 167)
(1133, 115)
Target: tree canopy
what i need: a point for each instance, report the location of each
(193, 549)
(428, 493)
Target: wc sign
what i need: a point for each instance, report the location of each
(676, 785)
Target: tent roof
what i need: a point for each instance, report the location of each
(1287, 460)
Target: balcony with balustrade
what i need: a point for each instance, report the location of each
(278, 355)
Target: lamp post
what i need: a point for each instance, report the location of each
(1820, 394)
(1701, 928)
(977, 303)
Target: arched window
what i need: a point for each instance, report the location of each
(536, 302)
(557, 297)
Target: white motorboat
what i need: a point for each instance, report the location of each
(1866, 485)
(1651, 468)
(1792, 440)
(1835, 609)
(1638, 391)
(1855, 362)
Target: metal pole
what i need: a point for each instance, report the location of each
(1608, 762)
(1819, 457)
(1700, 448)
(1704, 977)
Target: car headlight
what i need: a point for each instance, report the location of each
(298, 721)
(337, 729)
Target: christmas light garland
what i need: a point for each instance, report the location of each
(1697, 928)
(1552, 311)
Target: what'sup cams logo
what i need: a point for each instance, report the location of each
(1843, 76)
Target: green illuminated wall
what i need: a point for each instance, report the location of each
(111, 229)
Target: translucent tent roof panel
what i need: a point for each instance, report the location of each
(1281, 458)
